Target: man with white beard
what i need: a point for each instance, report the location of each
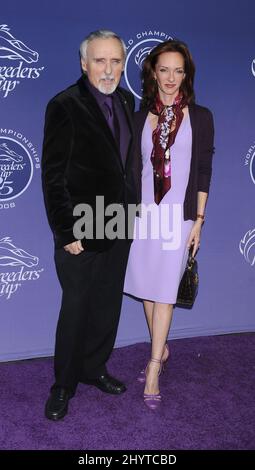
(88, 153)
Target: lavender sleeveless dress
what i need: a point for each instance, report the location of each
(159, 251)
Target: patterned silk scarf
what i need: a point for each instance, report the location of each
(163, 137)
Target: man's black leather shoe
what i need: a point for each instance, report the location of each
(57, 404)
(107, 384)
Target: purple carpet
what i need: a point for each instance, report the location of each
(208, 394)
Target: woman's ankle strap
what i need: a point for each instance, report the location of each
(158, 361)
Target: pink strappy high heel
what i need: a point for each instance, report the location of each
(141, 377)
(153, 401)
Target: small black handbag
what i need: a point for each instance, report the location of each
(188, 287)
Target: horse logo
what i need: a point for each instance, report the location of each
(16, 167)
(8, 155)
(14, 49)
(247, 247)
(253, 67)
(136, 56)
(10, 255)
(141, 56)
(137, 51)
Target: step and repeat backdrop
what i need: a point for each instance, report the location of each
(38, 58)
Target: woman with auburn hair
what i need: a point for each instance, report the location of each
(175, 145)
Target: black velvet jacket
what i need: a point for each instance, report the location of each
(81, 161)
(201, 159)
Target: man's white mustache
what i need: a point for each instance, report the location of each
(108, 77)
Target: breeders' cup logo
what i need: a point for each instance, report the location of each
(137, 51)
(253, 67)
(247, 247)
(18, 158)
(11, 256)
(12, 48)
(250, 162)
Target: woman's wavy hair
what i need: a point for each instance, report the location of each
(150, 87)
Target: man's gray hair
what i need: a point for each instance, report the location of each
(100, 34)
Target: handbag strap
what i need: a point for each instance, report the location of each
(191, 259)
(190, 262)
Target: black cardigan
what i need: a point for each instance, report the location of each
(201, 159)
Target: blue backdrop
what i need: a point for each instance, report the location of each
(38, 58)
